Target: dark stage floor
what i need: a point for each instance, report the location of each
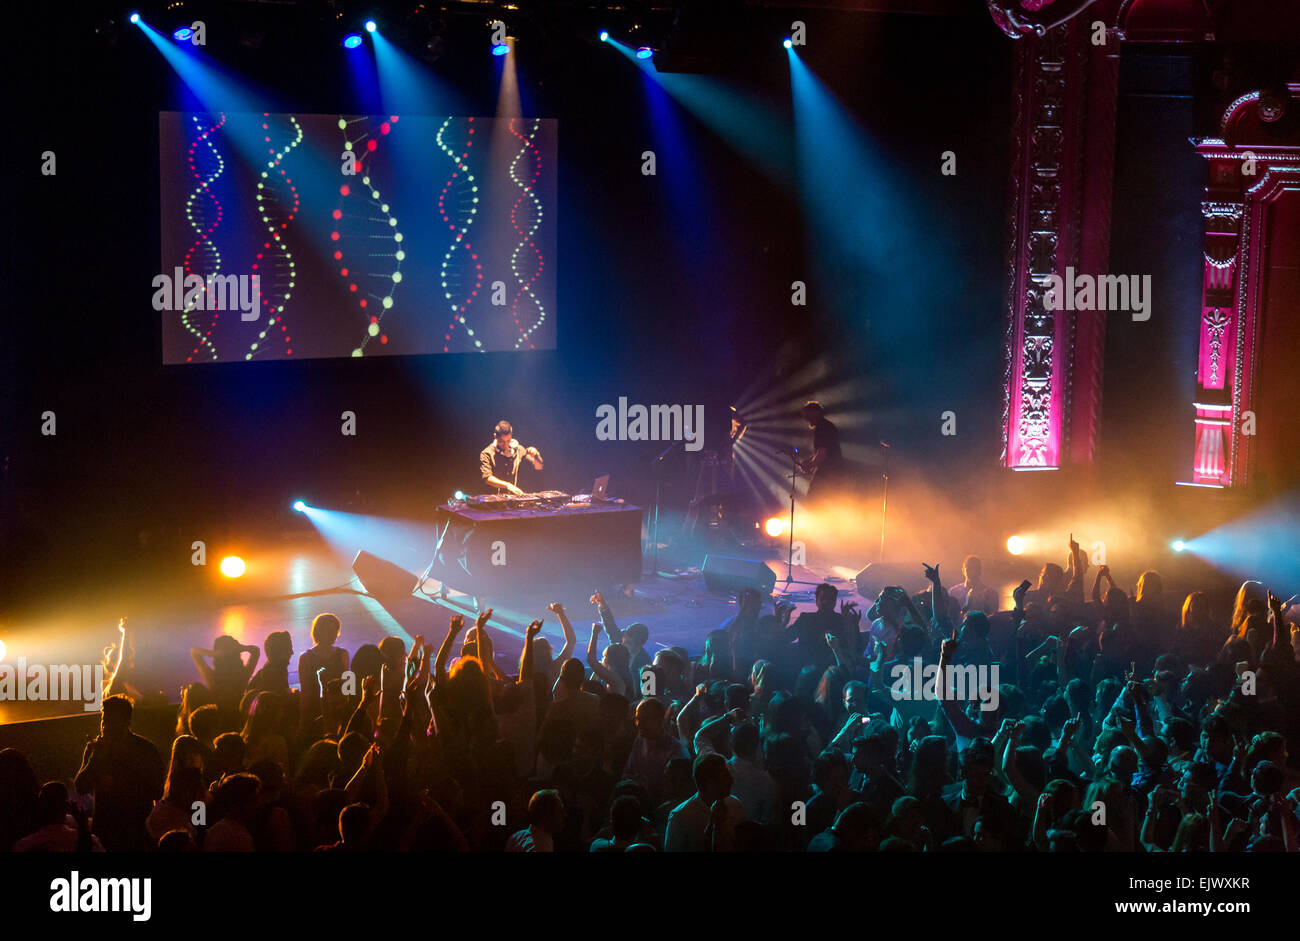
(290, 582)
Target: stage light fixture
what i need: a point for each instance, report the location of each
(299, 506)
(644, 52)
(458, 495)
(183, 34)
(787, 43)
(135, 17)
(232, 566)
(370, 26)
(351, 41)
(774, 526)
(1016, 544)
(500, 49)
(604, 35)
(1178, 545)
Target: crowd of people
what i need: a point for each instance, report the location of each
(1117, 722)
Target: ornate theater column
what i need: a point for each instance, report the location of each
(1217, 364)
(1062, 159)
(1250, 209)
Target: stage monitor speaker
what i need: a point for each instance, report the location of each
(726, 574)
(880, 575)
(382, 578)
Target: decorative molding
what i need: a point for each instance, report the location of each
(1019, 18)
(1063, 124)
(1216, 322)
(1233, 108)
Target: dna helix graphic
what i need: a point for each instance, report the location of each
(368, 244)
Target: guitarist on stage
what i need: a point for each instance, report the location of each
(499, 461)
(826, 463)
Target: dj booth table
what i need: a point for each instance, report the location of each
(534, 551)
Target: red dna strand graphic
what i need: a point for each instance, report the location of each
(277, 205)
(203, 214)
(368, 244)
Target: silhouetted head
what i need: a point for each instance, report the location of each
(115, 716)
(325, 629)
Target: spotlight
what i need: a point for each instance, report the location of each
(370, 26)
(183, 34)
(604, 35)
(500, 49)
(458, 495)
(2, 649)
(351, 41)
(1016, 544)
(1178, 545)
(299, 506)
(644, 52)
(135, 17)
(787, 43)
(232, 566)
(774, 526)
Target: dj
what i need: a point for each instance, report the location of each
(499, 461)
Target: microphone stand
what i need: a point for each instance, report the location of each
(789, 559)
(658, 481)
(884, 500)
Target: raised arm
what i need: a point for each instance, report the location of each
(526, 661)
(1077, 566)
(960, 723)
(483, 645)
(570, 638)
(371, 766)
(1102, 571)
(1159, 797)
(1011, 771)
(607, 617)
(1128, 728)
(455, 626)
(842, 659)
(254, 657)
(360, 721)
(705, 731)
(200, 657)
(938, 600)
(686, 721)
(1281, 635)
(610, 678)
(483, 650)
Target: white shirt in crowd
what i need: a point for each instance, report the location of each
(688, 821)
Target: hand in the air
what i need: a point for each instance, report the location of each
(948, 647)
